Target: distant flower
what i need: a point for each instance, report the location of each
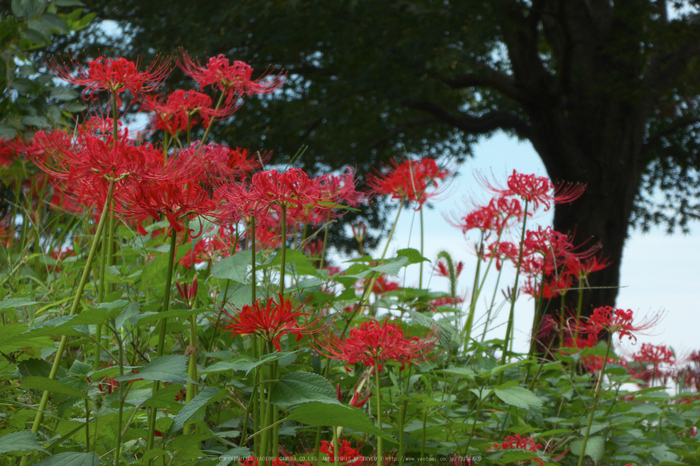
(271, 321)
(520, 443)
(234, 79)
(613, 321)
(346, 454)
(409, 181)
(374, 343)
(112, 74)
(501, 212)
(537, 190)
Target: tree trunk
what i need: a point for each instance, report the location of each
(605, 153)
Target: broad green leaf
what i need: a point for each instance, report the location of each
(661, 453)
(302, 387)
(297, 259)
(413, 255)
(13, 303)
(595, 447)
(51, 385)
(28, 8)
(20, 441)
(518, 396)
(207, 396)
(71, 459)
(170, 369)
(324, 414)
(511, 457)
(234, 454)
(460, 372)
(234, 267)
(391, 266)
(248, 365)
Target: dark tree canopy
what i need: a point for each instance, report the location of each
(605, 91)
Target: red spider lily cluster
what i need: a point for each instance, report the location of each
(374, 343)
(347, 455)
(410, 181)
(519, 443)
(271, 321)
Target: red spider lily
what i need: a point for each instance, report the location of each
(359, 231)
(613, 321)
(83, 165)
(357, 401)
(502, 251)
(218, 164)
(654, 355)
(410, 181)
(232, 79)
(113, 75)
(553, 287)
(383, 285)
(271, 322)
(347, 455)
(520, 443)
(174, 194)
(595, 363)
(500, 213)
(537, 190)
(329, 193)
(211, 246)
(374, 343)
(180, 111)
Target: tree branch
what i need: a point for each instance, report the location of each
(475, 125)
(485, 76)
(665, 69)
(678, 124)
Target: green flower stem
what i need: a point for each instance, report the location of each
(122, 396)
(161, 335)
(379, 417)
(511, 314)
(191, 369)
(595, 402)
(284, 247)
(335, 446)
(420, 270)
(325, 241)
(493, 303)
(422, 444)
(467, 330)
(368, 290)
(73, 311)
(402, 414)
(252, 263)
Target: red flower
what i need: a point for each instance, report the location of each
(374, 343)
(500, 213)
(537, 190)
(410, 181)
(271, 322)
(442, 270)
(233, 79)
(346, 454)
(518, 442)
(181, 110)
(613, 321)
(114, 75)
(655, 355)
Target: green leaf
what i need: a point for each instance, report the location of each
(69, 3)
(518, 396)
(71, 459)
(51, 385)
(20, 441)
(660, 452)
(595, 447)
(391, 266)
(234, 267)
(413, 256)
(324, 414)
(13, 303)
(207, 396)
(302, 387)
(248, 365)
(28, 8)
(460, 372)
(300, 263)
(234, 454)
(170, 369)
